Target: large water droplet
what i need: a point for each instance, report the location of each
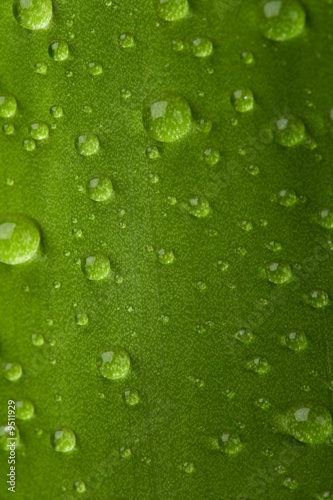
(282, 19)
(167, 117)
(172, 10)
(8, 106)
(96, 267)
(59, 50)
(19, 239)
(308, 423)
(63, 440)
(289, 131)
(279, 272)
(33, 14)
(100, 188)
(87, 144)
(24, 409)
(114, 364)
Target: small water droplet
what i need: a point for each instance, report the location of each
(41, 68)
(317, 299)
(289, 131)
(172, 10)
(29, 145)
(37, 339)
(202, 47)
(245, 336)
(212, 156)
(100, 188)
(242, 100)
(230, 443)
(165, 256)
(296, 341)
(33, 15)
(247, 57)
(12, 371)
(126, 41)
(8, 106)
(81, 319)
(39, 131)
(8, 128)
(259, 365)
(96, 266)
(287, 197)
(204, 125)
(19, 239)
(95, 68)
(131, 397)
(57, 111)
(80, 487)
(325, 218)
(87, 144)
(198, 207)
(279, 272)
(24, 409)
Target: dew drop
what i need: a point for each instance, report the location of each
(167, 117)
(212, 156)
(289, 131)
(80, 487)
(172, 10)
(198, 207)
(57, 112)
(95, 68)
(282, 19)
(63, 440)
(230, 443)
(165, 256)
(247, 58)
(8, 128)
(279, 272)
(204, 125)
(114, 364)
(259, 365)
(8, 432)
(245, 336)
(29, 145)
(96, 267)
(87, 144)
(152, 153)
(41, 68)
(8, 106)
(296, 341)
(100, 188)
(242, 100)
(318, 299)
(12, 371)
(39, 131)
(325, 218)
(287, 197)
(307, 422)
(37, 339)
(33, 14)
(274, 246)
(59, 50)
(126, 41)
(24, 409)
(202, 47)
(19, 239)
(81, 319)
(131, 397)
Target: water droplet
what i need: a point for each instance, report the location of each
(167, 117)
(29, 145)
(279, 272)
(187, 467)
(8, 432)
(100, 188)
(230, 443)
(39, 131)
(37, 339)
(289, 131)
(24, 409)
(245, 336)
(59, 50)
(41, 68)
(87, 144)
(96, 267)
(165, 256)
(282, 19)
(198, 207)
(246, 225)
(63, 440)
(114, 364)
(204, 125)
(242, 100)
(33, 14)
(178, 46)
(131, 397)
(287, 197)
(325, 218)
(222, 265)
(152, 153)
(318, 299)
(172, 10)
(296, 341)
(19, 239)
(263, 404)
(8, 106)
(80, 487)
(12, 371)
(153, 178)
(126, 41)
(202, 47)
(290, 483)
(274, 246)
(57, 111)
(81, 319)
(307, 422)
(253, 170)
(8, 128)
(95, 68)
(247, 57)
(212, 156)
(259, 365)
